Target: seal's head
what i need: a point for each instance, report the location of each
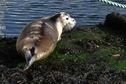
(63, 21)
(67, 21)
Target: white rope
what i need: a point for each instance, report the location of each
(113, 3)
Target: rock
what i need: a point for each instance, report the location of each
(116, 22)
(116, 56)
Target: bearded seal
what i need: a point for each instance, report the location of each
(39, 38)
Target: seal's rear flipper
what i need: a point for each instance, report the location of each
(31, 61)
(29, 57)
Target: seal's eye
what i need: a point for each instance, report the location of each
(67, 18)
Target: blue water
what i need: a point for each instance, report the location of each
(15, 14)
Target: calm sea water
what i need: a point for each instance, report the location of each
(15, 14)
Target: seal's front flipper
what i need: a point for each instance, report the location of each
(31, 61)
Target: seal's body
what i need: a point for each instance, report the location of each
(39, 38)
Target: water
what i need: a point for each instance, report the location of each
(15, 14)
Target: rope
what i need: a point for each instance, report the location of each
(113, 3)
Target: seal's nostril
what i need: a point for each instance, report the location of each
(73, 20)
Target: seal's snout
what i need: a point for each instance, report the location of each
(74, 21)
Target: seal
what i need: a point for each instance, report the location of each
(39, 38)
